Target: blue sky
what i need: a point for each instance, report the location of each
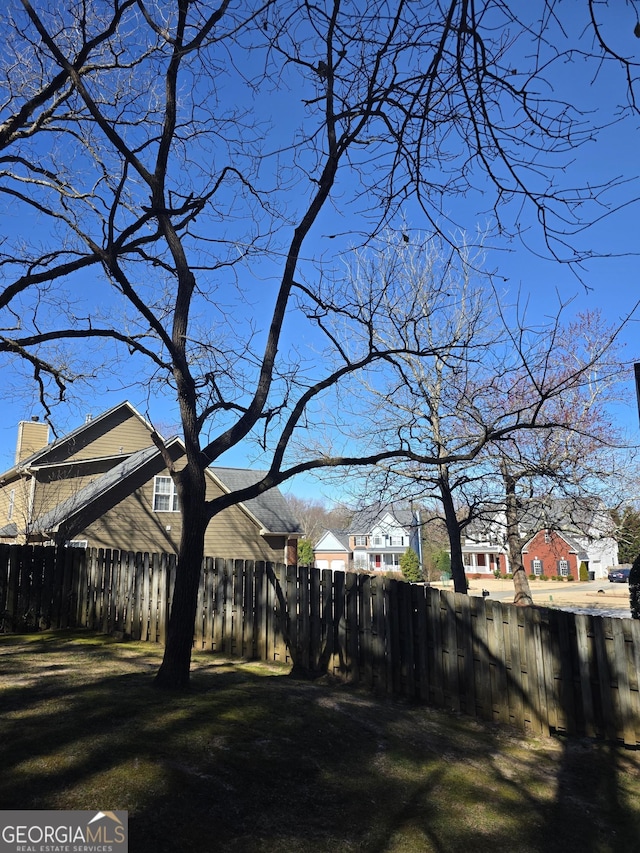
(608, 283)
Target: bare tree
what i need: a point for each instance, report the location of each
(315, 515)
(429, 404)
(498, 403)
(572, 372)
(188, 172)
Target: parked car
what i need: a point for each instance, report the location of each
(619, 575)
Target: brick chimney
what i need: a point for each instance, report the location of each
(32, 435)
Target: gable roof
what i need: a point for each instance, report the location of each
(106, 490)
(336, 540)
(43, 456)
(569, 540)
(269, 509)
(365, 519)
(578, 515)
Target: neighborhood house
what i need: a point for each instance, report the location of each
(558, 539)
(377, 538)
(105, 485)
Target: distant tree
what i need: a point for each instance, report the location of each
(305, 552)
(315, 516)
(442, 561)
(410, 566)
(627, 532)
(497, 402)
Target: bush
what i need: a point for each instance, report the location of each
(533, 577)
(571, 578)
(583, 571)
(410, 566)
(305, 552)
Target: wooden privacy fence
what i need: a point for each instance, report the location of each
(534, 668)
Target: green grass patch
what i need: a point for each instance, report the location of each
(253, 760)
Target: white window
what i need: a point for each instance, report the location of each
(360, 540)
(165, 496)
(563, 565)
(377, 540)
(12, 500)
(77, 543)
(397, 540)
(537, 567)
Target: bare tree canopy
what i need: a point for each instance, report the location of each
(505, 408)
(178, 179)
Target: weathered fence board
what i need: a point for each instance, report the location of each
(537, 669)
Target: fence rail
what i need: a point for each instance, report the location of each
(534, 668)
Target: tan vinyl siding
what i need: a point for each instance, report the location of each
(20, 501)
(132, 525)
(113, 439)
(52, 493)
(120, 431)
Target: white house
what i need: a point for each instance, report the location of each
(377, 538)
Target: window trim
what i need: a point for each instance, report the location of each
(171, 494)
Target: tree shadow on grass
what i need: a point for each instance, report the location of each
(249, 761)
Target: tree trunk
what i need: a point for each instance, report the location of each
(453, 531)
(176, 663)
(522, 596)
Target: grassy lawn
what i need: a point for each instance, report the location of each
(252, 760)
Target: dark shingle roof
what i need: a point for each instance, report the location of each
(269, 508)
(88, 425)
(342, 537)
(365, 519)
(86, 496)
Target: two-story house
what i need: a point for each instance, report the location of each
(376, 539)
(105, 485)
(558, 537)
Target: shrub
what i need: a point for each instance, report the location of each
(410, 566)
(305, 552)
(571, 578)
(584, 572)
(442, 561)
